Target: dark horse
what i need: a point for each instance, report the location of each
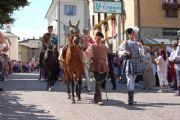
(73, 66)
(50, 62)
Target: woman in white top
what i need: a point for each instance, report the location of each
(162, 67)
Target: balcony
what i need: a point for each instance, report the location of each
(170, 6)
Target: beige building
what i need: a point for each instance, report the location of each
(12, 41)
(28, 49)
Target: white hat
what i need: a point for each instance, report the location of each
(136, 29)
(132, 29)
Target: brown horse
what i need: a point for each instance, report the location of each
(73, 66)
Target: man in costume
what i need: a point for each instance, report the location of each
(132, 63)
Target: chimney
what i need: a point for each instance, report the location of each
(8, 28)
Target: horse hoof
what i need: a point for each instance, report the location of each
(69, 97)
(73, 101)
(79, 99)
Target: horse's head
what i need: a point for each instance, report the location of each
(74, 32)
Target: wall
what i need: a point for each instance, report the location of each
(152, 15)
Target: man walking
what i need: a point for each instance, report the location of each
(131, 65)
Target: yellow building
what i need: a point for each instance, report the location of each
(157, 19)
(29, 49)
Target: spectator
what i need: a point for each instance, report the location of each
(172, 72)
(177, 66)
(162, 65)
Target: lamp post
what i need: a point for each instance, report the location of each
(64, 32)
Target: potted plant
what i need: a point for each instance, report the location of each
(111, 17)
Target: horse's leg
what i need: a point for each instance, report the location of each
(68, 91)
(73, 99)
(79, 89)
(76, 85)
(49, 81)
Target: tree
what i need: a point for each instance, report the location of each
(8, 7)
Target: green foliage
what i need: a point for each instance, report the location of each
(7, 7)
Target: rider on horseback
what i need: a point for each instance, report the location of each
(53, 39)
(49, 39)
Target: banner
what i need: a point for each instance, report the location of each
(108, 7)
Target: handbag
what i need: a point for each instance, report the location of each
(177, 60)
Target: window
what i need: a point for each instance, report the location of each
(171, 13)
(93, 18)
(170, 32)
(70, 10)
(33, 52)
(99, 17)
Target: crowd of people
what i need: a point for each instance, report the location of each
(23, 67)
(8, 66)
(156, 66)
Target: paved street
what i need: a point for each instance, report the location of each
(25, 98)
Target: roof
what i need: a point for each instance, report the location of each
(31, 43)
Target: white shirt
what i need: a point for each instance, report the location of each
(122, 52)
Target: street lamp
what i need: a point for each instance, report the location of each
(64, 27)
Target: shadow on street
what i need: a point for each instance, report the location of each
(11, 109)
(138, 105)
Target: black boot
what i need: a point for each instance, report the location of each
(130, 97)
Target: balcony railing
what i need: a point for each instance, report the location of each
(172, 6)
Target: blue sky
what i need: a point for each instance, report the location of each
(30, 20)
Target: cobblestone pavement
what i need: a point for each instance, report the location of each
(25, 98)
